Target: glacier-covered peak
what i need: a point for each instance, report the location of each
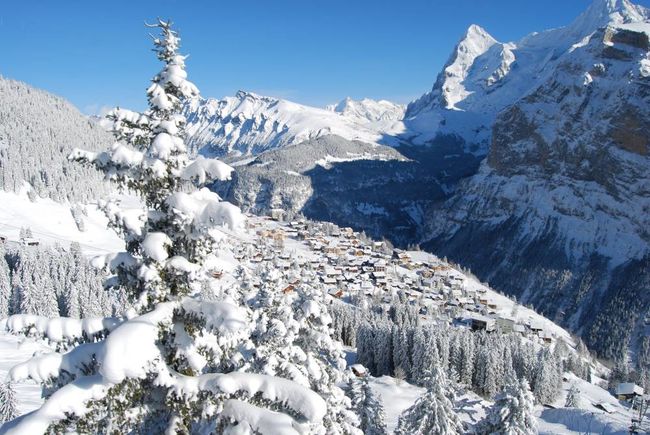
(369, 109)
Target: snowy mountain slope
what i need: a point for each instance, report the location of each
(37, 132)
(558, 213)
(398, 395)
(52, 222)
(248, 124)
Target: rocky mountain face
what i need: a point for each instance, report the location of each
(558, 212)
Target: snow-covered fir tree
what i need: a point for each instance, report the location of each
(432, 413)
(179, 362)
(8, 402)
(573, 397)
(5, 285)
(368, 406)
(512, 412)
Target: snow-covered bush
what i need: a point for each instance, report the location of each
(186, 359)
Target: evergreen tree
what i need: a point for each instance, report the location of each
(8, 403)
(5, 286)
(368, 406)
(432, 413)
(548, 378)
(512, 413)
(573, 397)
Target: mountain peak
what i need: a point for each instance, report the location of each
(602, 13)
(476, 32)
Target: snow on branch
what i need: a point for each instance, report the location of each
(43, 368)
(61, 329)
(203, 170)
(300, 399)
(69, 400)
(260, 420)
(204, 209)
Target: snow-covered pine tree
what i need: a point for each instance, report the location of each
(172, 365)
(292, 339)
(5, 286)
(8, 403)
(368, 406)
(548, 377)
(573, 397)
(512, 412)
(432, 413)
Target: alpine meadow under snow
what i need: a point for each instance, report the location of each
(254, 266)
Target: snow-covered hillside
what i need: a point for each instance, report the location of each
(37, 132)
(250, 124)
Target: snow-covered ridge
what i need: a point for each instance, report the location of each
(368, 109)
(250, 124)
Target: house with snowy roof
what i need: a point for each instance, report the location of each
(628, 391)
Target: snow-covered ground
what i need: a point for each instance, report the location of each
(52, 222)
(15, 350)
(588, 419)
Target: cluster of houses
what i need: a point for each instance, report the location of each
(350, 266)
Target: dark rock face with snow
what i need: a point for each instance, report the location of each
(558, 212)
(379, 189)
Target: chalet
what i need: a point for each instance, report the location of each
(288, 289)
(336, 292)
(505, 325)
(628, 391)
(358, 370)
(217, 274)
(28, 241)
(546, 336)
(482, 323)
(536, 327)
(380, 266)
(3, 239)
(277, 214)
(519, 329)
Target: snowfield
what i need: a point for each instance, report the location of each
(52, 222)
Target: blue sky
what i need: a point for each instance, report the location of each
(97, 54)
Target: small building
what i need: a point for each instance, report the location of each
(28, 241)
(3, 239)
(336, 292)
(628, 391)
(505, 325)
(358, 370)
(482, 323)
(277, 214)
